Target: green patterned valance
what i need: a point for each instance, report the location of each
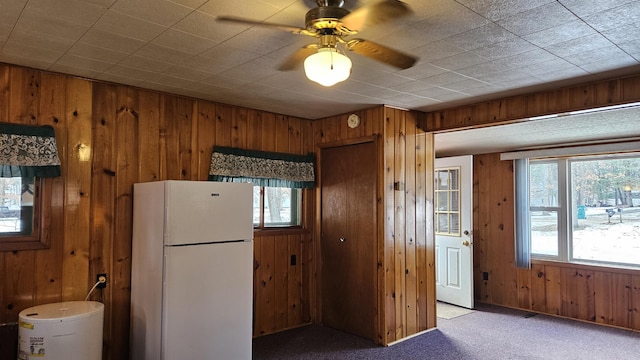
(28, 151)
(262, 168)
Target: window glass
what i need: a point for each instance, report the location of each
(257, 209)
(543, 178)
(586, 209)
(276, 207)
(605, 219)
(543, 211)
(16, 206)
(544, 232)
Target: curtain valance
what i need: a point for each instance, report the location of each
(28, 151)
(262, 168)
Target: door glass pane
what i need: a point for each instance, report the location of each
(447, 197)
(442, 180)
(454, 177)
(443, 223)
(443, 202)
(454, 223)
(455, 200)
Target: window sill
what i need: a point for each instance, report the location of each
(25, 243)
(279, 231)
(621, 269)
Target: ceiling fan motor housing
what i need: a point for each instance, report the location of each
(324, 17)
(337, 3)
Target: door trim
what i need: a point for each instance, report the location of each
(346, 142)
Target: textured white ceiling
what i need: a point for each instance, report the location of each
(588, 127)
(469, 50)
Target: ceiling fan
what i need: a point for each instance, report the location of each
(331, 24)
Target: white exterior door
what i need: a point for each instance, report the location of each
(453, 183)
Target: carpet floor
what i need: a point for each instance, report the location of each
(489, 332)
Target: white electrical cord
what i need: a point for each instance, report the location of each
(93, 288)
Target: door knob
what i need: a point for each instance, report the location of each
(466, 243)
(342, 239)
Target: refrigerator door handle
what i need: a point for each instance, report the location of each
(164, 273)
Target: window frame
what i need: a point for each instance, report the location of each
(38, 238)
(565, 209)
(563, 240)
(296, 207)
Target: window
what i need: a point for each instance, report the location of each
(29, 154)
(544, 207)
(277, 177)
(586, 209)
(276, 207)
(20, 214)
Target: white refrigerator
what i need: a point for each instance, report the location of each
(192, 271)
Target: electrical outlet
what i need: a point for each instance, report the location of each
(102, 280)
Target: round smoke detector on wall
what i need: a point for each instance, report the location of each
(353, 121)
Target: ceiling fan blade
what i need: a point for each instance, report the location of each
(237, 20)
(375, 14)
(381, 53)
(297, 58)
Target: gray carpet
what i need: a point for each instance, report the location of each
(490, 332)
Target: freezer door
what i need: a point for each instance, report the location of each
(203, 211)
(208, 302)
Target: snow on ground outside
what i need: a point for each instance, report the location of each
(598, 237)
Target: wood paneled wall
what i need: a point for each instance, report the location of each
(280, 289)
(109, 137)
(409, 242)
(518, 108)
(112, 136)
(406, 304)
(597, 294)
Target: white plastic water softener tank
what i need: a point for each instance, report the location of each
(61, 331)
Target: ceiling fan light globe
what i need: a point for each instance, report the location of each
(327, 67)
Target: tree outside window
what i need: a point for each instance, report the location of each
(276, 207)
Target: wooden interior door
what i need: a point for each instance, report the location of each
(348, 240)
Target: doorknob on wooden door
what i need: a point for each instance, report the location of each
(342, 239)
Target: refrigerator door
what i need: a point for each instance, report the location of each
(207, 299)
(199, 212)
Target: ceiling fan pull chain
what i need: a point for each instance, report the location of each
(332, 60)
